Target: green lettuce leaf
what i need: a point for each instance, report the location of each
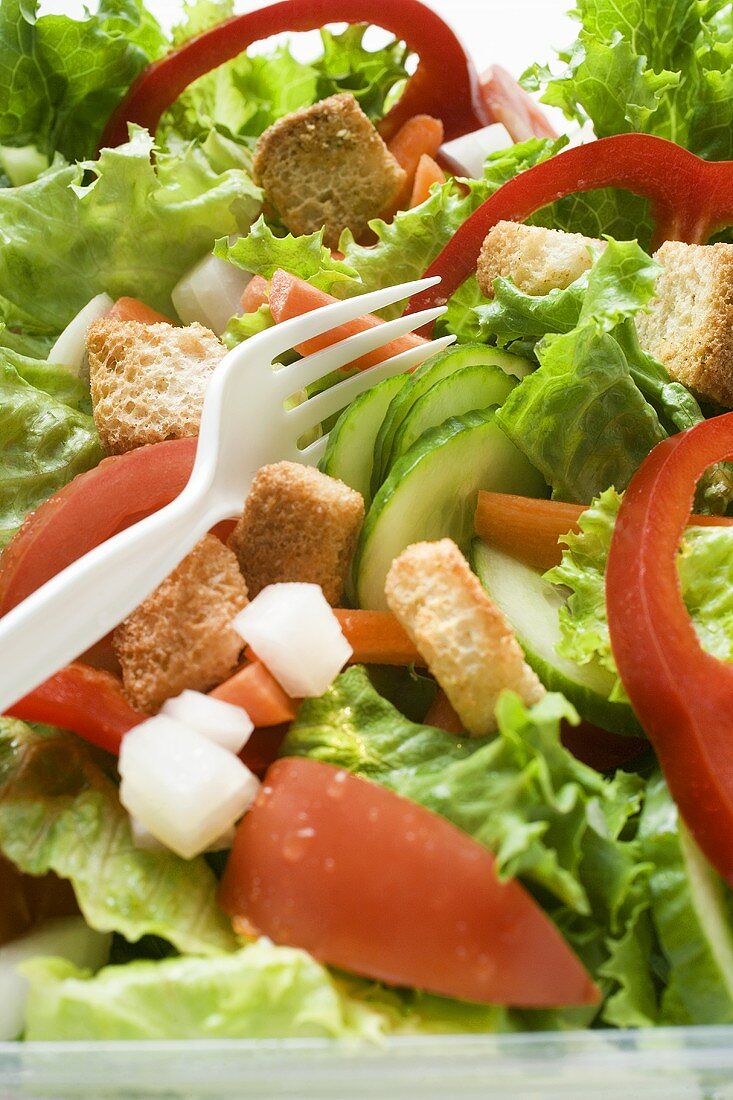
(580, 418)
(134, 229)
(261, 991)
(46, 437)
(705, 566)
(61, 78)
(60, 811)
(554, 823)
(245, 96)
(691, 911)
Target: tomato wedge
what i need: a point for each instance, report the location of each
(90, 509)
(682, 695)
(368, 881)
(87, 701)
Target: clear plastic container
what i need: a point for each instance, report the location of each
(668, 1063)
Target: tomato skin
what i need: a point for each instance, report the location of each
(86, 700)
(368, 881)
(90, 509)
(682, 695)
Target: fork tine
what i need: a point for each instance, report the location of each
(320, 363)
(314, 411)
(314, 452)
(286, 335)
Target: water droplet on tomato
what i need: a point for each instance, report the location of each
(294, 844)
(336, 789)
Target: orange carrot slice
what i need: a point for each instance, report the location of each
(258, 692)
(292, 297)
(377, 638)
(420, 135)
(428, 172)
(529, 529)
(130, 309)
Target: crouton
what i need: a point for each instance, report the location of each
(298, 525)
(468, 644)
(148, 381)
(690, 326)
(182, 636)
(326, 166)
(535, 259)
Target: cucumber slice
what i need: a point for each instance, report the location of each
(350, 452)
(433, 370)
(431, 493)
(531, 605)
(474, 387)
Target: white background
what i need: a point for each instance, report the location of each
(511, 32)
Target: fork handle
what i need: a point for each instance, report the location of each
(76, 608)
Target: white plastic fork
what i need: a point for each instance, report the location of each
(244, 425)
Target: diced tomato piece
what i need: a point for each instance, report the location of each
(256, 294)
(257, 691)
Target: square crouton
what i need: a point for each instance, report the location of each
(326, 166)
(468, 644)
(690, 326)
(148, 381)
(298, 525)
(182, 636)
(537, 260)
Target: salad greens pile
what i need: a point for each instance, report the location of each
(603, 853)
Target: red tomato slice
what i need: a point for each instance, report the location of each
(89, 510)
(366, 880)
(86, 700)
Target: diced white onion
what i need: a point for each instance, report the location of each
(294, 632)
(468, 153)
(224, 723)
(71, 347)
(185, 789)
(210, 293)
(142, 838)
(66, 937)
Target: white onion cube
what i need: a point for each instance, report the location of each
(143, 839)
(210, 293)
(71, 347)
(228, 725)
(294, 632)
(185, 789)
(469, 152)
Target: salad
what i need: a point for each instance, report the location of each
(436, 736)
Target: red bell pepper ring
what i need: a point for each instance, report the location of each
(682, 695)
(444, 85)
(690, 199)
(83, 699)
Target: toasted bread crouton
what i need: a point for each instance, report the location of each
(298, 525)
(148, 381)
(468, 644)
(537, 260)
(182, 636)
(326, 166)
(690, 326)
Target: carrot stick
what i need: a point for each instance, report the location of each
(442, 716)
(428, 172)
(377, 638)
(292, 297)
(130, 309)
(420, 134)
(256, 294)
(255, 690)
(529, 529)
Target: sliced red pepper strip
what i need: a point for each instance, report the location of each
(445, 83)
(83, 699)
(682, 695)
(690, 199)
